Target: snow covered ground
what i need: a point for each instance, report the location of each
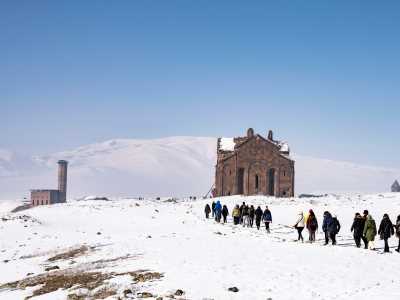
(177, 166)
(196, 255)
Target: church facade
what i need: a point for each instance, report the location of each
(254, 165)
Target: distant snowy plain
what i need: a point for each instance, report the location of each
(174, 166)
(199, 256)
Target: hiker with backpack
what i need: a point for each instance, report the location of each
(267, 218)
(386, 231)
(299, 225)
(218, 211)
(207, 210)
(357, 228)
(397, 226)
(369, 232)
(333, 229)
(312, 225)
(258, 214)
(225, 213)
(251, 215)
(236, 215)
(245, 216)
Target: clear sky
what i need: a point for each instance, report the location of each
(324, 75)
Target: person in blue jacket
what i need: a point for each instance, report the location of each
(218, 211)
(325, 224)
(267, 218)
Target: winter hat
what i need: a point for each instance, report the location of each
(366, 212)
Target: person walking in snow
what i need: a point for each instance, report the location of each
(369, 232)
(236, 215)
(245, 216)
(386, 230)
(258, 214)
(213, 209)
(241, 212)
(207, 210)
(364, 219)
(357, 228)
(251, 215)
(299, 225)
(225, 212)
(312, 225)
(327, 220)
(218, 211)
(333, 229)
(397, 226)
(267, 218)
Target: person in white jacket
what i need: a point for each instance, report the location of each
(299, 225)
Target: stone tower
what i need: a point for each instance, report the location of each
(62, 180)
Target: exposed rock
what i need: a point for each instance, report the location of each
(145, 295)
(179, 293)
(233, 289)
(52, 268)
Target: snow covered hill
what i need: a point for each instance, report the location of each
(131, 249)
(175, 166)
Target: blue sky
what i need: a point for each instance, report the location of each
(324, 75)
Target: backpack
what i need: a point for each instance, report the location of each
(313, 223)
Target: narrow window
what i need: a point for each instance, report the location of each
(256, 182)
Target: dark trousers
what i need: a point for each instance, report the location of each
(224, 216)
(207, 214)
(251, 221)
(364, 239)
(311, 235)
(398, 248)
(332, 235)
(258, 222)
(357, 239)
(267, 226)
(386, 245)
(299, 231)
(236, 220)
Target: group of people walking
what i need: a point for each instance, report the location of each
(363, 227)
(243, 214)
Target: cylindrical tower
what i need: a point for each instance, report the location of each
(62, 180)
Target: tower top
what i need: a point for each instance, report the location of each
(62, 162)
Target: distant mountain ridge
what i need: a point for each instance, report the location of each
(173, 166)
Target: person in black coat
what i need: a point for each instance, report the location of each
(241, 212)
(251, 215)
(386, 230)
(364, 219)
(397, 226)
(333, 229)
(258, 214)
(225, 212)
(357, 228)
(207, 210)
(213, 208)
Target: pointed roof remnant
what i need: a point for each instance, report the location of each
(395, 187)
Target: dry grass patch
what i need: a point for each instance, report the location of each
(71, 253)
(51, 282)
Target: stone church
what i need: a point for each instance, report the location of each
(254, 165)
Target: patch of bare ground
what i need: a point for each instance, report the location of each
(71, 253)
(95, 283)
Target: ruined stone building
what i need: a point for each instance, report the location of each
(44, 197)
(253, 165)
(395, 187)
